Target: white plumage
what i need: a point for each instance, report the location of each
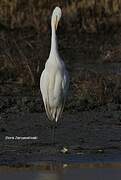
(54, 79)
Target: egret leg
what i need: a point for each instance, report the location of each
(53, 128)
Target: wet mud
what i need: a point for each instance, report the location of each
(87, 133)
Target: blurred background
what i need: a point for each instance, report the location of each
(89, 38)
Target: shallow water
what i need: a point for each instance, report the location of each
(87, 171)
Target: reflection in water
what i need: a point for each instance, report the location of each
(53, 172)
(48, 176)
(90, 171)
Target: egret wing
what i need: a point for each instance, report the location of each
(44, 85)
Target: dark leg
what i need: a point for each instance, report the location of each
(53, 128)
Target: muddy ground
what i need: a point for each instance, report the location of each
(86, 133)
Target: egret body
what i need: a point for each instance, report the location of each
(54, 79)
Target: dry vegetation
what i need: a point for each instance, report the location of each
(25, 41)
(89, 14)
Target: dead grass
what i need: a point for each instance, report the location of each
(88, 15)
(22, 53)
(96, 89)
(25, 42)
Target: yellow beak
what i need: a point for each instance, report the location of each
(56, 23)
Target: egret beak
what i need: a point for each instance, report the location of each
(56, 23)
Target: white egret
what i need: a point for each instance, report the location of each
(54, 79)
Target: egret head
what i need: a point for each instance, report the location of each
(56, 15)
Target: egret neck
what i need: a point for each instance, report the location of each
(54, 45)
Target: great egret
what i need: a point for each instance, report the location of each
(54, 79)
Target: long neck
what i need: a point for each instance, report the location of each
(54, 45)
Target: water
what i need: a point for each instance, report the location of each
(91, 171)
